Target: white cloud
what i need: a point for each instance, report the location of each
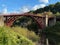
(44, 1)
(38, 6)
(4, 11)
(14, 12)
(24, 9)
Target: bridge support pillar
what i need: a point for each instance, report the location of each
(1, 21)
(46, 23)
(47, 19)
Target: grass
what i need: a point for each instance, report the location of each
(9, 37)
(25, 32)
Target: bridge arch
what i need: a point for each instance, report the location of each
(39, 20)
(24, 20)
(27, 22)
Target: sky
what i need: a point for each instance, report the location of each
(22, 6)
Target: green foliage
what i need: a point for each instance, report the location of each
(9, 37)
(57, 6)
(53, 34)
(25, 32)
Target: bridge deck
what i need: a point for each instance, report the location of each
(27, 14)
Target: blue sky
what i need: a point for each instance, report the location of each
(23, 5)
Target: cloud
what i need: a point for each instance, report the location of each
(14, 11)
(21, 10)
(38, 6)
(24, 9)
(4, 11)
(44, 1)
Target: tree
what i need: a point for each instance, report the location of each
(46, 8)
(57, 6)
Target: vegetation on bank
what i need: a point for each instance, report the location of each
(53, 34)
(9, 37)
(26, 33)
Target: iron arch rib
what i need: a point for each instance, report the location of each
(12, 18)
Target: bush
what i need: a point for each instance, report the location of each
(9, 37)
(25, 32)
